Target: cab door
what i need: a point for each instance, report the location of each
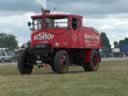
(75, 32)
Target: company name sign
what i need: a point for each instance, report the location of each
(43, 36)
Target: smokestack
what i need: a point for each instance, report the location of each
(43, 4)
(45, 12)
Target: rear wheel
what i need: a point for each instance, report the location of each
(24, 65)
(61, 62)
(94, 59)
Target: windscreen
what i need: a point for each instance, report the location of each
(50, 23)
(2, 53)
(56, 22)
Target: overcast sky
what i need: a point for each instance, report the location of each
(109, 16)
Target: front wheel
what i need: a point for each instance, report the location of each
(24, 65)
(94, 60)
(61, 62)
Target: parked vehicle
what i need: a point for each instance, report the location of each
(124, 49)
(4, 55)
(106, 52)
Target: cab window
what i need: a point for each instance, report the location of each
(56, 23)
(50, 23)
(2, 53)
(37, 24)
(74, 23)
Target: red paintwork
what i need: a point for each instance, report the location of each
(83, 37)
(56, 15)
(88, 56)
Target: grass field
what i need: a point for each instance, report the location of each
(110, 80)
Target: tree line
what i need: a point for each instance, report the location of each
(8, 41)
(121, 43)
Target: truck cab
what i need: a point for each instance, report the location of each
(58, 30)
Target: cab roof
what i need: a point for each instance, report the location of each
(56, 16)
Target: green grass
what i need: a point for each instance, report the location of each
(110, 80)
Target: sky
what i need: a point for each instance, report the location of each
(109, 16)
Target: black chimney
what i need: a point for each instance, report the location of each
(45, 12)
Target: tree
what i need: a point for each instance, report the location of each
(105, 40)
(116, 44)
(8, 41)
(123, 42)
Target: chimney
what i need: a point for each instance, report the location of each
(45, 12)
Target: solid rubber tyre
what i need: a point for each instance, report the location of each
(61, 62)
(24, 66)
(93, 64)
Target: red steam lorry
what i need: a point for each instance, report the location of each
(60, 40)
